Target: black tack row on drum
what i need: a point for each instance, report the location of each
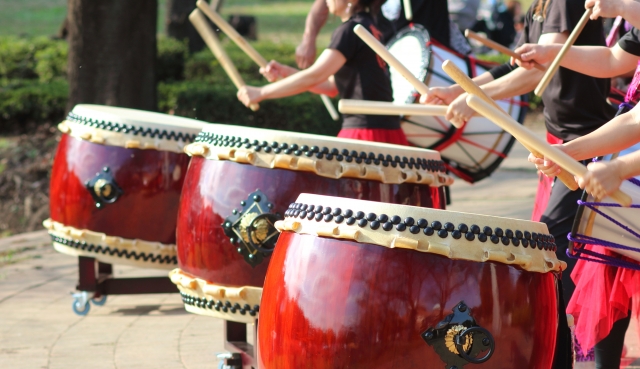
(106, 250)
(322, 152)
(220, 305)
(388, 223)
(131, 129)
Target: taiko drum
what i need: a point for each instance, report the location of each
(391, 286)
(240, 182)
(116, 183)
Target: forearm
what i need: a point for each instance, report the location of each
(629, 165)
(480, 80)
(597, 61)
(620, 133)
(518, 82)
(328, 87)
(631, 13)
(297, 83)
(316, 19)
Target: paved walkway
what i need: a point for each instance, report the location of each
(39, 330)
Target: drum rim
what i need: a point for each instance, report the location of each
(303, 218)
(423, 36)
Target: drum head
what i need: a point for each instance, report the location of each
(474, 152)
(410, 46)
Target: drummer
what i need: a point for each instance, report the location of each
(432, 14)
(347, 67)
(574, 104)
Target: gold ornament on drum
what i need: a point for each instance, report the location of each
(449, 339)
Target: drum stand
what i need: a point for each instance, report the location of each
(96, 282)
(243, 354)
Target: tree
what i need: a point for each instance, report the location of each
(112, 52)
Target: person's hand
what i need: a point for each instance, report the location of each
(441, 95)
(249, 95)
(606, 8)
(534, 52)
(459, 112)
(602, 179)
(546, 166)
(274, 71)
(306, 53)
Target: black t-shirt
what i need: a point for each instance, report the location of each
(574, 104)
(364, 76)
(431, 14)
(630, 42)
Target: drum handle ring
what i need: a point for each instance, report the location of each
(487, 341)
(250, 229)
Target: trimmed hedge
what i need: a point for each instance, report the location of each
(31, 100)
(217, 103)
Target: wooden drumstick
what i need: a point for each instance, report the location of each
(408, 11)
(544, 82)
(471, 87)
(524, 135)
(379, 48)
(248, 49)
(347, 106)
(496, 46)
(200, 23)
(231, 33)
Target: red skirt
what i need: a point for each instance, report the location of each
(603, 295)
(544, 187)
(392, 136)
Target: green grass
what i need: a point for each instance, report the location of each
(278, 21)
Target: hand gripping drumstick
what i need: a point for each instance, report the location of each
(347, 106)
(544, 82)
(496, 46)
(379, 48)
(471, 87)
(524, 135)
(248, 49)
(200, 23)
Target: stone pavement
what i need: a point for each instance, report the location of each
(39, 330)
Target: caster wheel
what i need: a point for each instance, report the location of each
(79, 308)
(99, 301)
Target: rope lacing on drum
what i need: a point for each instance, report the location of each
(106, 250)
(131, 129)
(584, 239)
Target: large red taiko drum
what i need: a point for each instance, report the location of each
(393, 286)
(240, 182)
(116, 183)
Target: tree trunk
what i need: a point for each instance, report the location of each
(177, 23)
(112, 53)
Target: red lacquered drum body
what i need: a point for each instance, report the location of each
(337, 303)
(218, 192)
(116, 183)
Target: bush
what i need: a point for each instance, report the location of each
(217, 103)
(28, 101)
(51, 62)
(170, 62)
(18, 56)
(203, 66)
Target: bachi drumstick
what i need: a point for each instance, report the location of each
(347, 106)
(496, 46)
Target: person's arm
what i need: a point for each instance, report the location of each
(315, 78)
(518, 82)
(603, 178)
(595, 61)
(316, 19)
(628, 9)
(618, 134)
(445, 95)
